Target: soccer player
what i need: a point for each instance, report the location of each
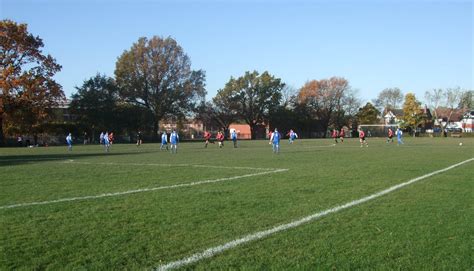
(399, 137)
(174, 139)
(233, 136)
(275, 141)
(335, 135)
(390, 135)
(139, 138)
(69, 142)
(341, 135)
(101, 138)
(207, 137)
(292, 136)
(19, 141)
(269, 135)
(362, 138)
(111, 138)
(220, 138)
(106, 142)
(164, 141)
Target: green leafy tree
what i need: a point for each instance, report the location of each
(156, 74)
(253, 96)
(95, 104)
(467, 100)
(368, 114)
(28, 90)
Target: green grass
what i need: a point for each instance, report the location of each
(427, 225)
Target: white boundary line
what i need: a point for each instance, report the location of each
(68, 160)
(141, 190)
(208, 253)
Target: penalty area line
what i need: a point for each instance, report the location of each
(208, 253)
(17, 205)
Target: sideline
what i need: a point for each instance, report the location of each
(208, 253)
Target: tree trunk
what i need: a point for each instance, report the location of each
(253, 131)
(155, 130)
(325, 126)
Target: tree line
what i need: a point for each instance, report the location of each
(153, 81)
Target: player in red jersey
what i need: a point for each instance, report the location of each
(111, 138)
(390, 135)
(220, 138)
(362, 138)
(207, 137)
(335, 135)
(341, 135)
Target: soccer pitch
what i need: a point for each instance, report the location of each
(314, 206)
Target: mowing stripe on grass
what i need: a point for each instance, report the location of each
(32, 159)
(208, 253)
(141, 190)
(69, 160)
(166, 165)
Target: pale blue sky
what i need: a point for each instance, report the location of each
(413, 45)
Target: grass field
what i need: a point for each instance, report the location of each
(142, 208)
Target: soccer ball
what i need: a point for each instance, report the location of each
(460, 144)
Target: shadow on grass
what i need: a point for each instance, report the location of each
(11, 160)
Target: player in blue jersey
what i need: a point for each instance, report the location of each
(69, 142)
(174, 139)
(233, 136)
(164, 141)
(399, 134)
(106, 142)
(275, 141)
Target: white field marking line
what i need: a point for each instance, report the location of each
(166, 165)
(208, 253)
(141, 190)
(68, 160)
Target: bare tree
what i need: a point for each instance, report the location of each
(434, 99)
(288, 94)
(449, 99)
(389, 98)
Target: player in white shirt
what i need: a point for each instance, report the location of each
(106, 142)
(174, 139)
(164, 141)
(275, 141)
(69, 142)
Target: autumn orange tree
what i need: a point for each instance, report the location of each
(331, 101)
(28, 89)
